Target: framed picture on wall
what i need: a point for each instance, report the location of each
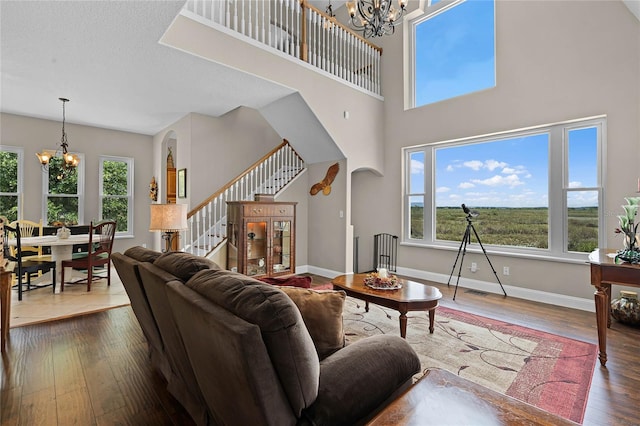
(182, 183)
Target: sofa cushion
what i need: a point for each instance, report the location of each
(285, 336)
(357, 380)
(322, 314)
(142, 254)
(292, 281)
(183, 265)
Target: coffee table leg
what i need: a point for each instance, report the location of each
(403, 324)
(432, 317)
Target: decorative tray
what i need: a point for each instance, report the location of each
(375, 282)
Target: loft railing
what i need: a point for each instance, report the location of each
(207, 222)
(302, 31)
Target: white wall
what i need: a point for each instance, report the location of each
(34, 135)
(556, 60)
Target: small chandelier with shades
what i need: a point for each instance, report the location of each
(70, 160)
(376, 17)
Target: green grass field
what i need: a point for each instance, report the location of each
(523, 227)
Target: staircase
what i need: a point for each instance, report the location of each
(269, 175)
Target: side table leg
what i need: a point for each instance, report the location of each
(602, 312)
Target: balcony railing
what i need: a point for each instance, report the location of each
(299, 30)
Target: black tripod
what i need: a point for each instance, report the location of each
(466, 239)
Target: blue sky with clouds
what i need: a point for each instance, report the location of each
(506, 173)
(510, 172)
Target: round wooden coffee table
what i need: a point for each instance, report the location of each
(412, 296)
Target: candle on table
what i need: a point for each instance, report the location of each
(382, 272)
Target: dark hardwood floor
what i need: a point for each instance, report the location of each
(94, 369)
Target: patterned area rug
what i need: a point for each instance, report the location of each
(542, 369)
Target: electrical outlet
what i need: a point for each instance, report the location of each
(474, 266)
(505, 270)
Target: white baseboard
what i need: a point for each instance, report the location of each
(494, 287)
(488, 287)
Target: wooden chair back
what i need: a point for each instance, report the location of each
(101, 238)
(28, 228)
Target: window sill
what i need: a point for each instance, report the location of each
(573, 258)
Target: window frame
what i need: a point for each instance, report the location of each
(558, 190)
(411, 23)
(130, 190)
(20, 187)
(79, 189)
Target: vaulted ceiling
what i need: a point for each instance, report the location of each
(105, 57)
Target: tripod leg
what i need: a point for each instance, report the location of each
(463, 242)
(465, 239)
(487, 256)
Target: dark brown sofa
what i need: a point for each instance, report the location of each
(241, 349)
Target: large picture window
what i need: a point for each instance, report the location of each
(10, 182)
(63, 191)
(116, 192)
(537, 189)
(452, 50)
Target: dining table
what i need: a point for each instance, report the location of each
(61, 248)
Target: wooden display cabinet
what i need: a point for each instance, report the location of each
(261, 238)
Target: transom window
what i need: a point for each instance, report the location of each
(452, 49)
(116, 192)
(536, 190)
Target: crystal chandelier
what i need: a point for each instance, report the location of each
(376, 17)
(70, 160)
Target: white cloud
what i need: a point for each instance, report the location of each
(442, 189)
(473, 164)
(417, 167)
(491, 165)
(450, 168)
(575, 184)
(497, 180)
(518, 170)
(466, 185)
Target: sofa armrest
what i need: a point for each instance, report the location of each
(357, 379)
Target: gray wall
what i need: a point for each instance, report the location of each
(556, 60)
(34, 135)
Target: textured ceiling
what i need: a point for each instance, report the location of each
(105, 57)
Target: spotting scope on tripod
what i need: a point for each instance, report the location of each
(466, 239)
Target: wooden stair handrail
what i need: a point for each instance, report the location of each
(233, 181)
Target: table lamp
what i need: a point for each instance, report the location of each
(169, 219)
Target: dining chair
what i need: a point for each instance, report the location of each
(29, 228)
(28, 265)
(101, 236)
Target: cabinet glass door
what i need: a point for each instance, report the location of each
(282, 246)
(256, 248)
